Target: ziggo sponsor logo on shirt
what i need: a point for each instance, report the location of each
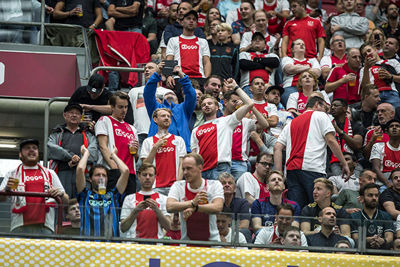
(189, 47)
(389, 163)
(33, 178)
(119, 132)
(205, 130)
(165, 149)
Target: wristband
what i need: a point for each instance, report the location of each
(236, 87)
(196, 209)
(191, 202)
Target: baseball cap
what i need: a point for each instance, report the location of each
(95, 85)
(192, 12)
(28, 141)
(277, 87)
(73, 106)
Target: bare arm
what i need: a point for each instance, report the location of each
(129, 11)
(305, 227)
(244, 224)
(284, 46)
(257, 223)
(324, 73)
(391, 209)
(153, 151)
(80, 170)
(334, 146)
(332, 86)
(249, 197)
(236, 38)
(98, 19)
(376, 167)
(321, 47)
(207, 66)
(273, 120)
(124, 170)
(103, 109)
(317, 72)
(345, 230)
(278, 148)
(295, 69)
(103, 145)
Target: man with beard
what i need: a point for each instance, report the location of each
(244, 24)
(379, 224)
(391, 27)
(326, 237)
(32, 214)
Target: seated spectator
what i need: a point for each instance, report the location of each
(274, 233)
(263, 210)
(260, 142)
(382, 73)
(349, 139)
(144, 213)
(339, 184)
(377, 40)
(342, 244)
(174, 231)
(238, 206)
(224, 222)
(294, 66)
(292, 237)
(344, 80)
(350, 25)
(213, 14)
(73, 215)
(379, 223)
(93, 98)
(32, 215)
(64, 147)
(212, 37)
(252, 186)
(244, 23)
(385, 157)
(273, 95)
(312, 32)
(322, 193)
(349, 198)
(377, 12)
(327, 236)
(224, 55)
(391, 27)
(389, 200)
(165, 151)
(391, 49)
(99, 206)
(306, 85)
(181, 113)
(257, 62)
(277, 13)
(375, 134)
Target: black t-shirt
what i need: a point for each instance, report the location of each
(240, 207)
(390, 195)
(320, 240)
(81, 96)
(123, 24)
(312, 210)
(89, 14)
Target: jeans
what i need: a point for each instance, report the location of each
(301, 185)
(238, 168)
(391, 97)
(32, 229)
(285, 96)
(212, 174)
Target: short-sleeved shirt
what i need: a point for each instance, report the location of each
(345, 91)
(348, 199)
(263, 208)
(390, 195)
(320, 240)
(312, 211)
(88, 8)
(352, 183)
(239, 27)
(292, 79)
(123, 24)
(240, 207)
(380, 223)
(247, 183)
(267, 235)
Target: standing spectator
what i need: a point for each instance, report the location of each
(113, 131)
(349, 139)
(274, 233)
(377, 13)
(191, 52)
(293, 66)
(379, 223)
(213, 137)
(389, 200)
(197, 200)
(359, 9)
(84, 13)
(314, 10)
(322, 193)
(93, 97)
(126, 15)
(305, 140)
(277, 13)
(73, 215)
(212, 15)
(32, 215)
(306, 85)
(257, 62)
(264, 209)
(312, 32)
(245, 23)
(64, 146)
(390, 49)
(149, 29)
(181, 113)
(224, 6)
(344, 80)
(337, 58)
(224, 55)
(99, 206)
(252, 186)
(164, 151)
(211, 36)
(350, 25)
(144, 214)
(377, 39)
(172, 20)
(213, 87)
(224, 220)
(326, 237)
(273, 95)
(391, 27)
(385, 156)
(353, 183)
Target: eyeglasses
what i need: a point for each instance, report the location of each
(266, 164)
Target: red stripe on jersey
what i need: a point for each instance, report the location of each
(381, 84)
(297, 62)
(301, 102)
(299, 129)
(345, 148)
(165, 163)
(207, 136)
(391, 159)
(189, 50)
(237, 141)
(260, 72)
(147, 222)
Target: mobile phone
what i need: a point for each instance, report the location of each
(146, 197)
(169, 67)
(377, 37)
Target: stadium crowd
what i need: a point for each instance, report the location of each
(271, 113)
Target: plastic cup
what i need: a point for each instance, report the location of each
(15, 183)
(80, 13)
(352, 83)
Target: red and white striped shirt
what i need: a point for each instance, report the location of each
(291, 80)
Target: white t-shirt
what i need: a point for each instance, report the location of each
(213, 140)
(373, 74)
(17, 219)
(214, 191)
(140, 116)
(189, 52)
(378, 152)
(242, 239)
(281, 5)
(294, 97)
(290, 79)
(310, 147)
(130, 203)
(352, 183)
(284, 118)
(247, 183)
(264, 237)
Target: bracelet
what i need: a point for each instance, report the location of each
(196, 209)
(236, 87)
(191, 202)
